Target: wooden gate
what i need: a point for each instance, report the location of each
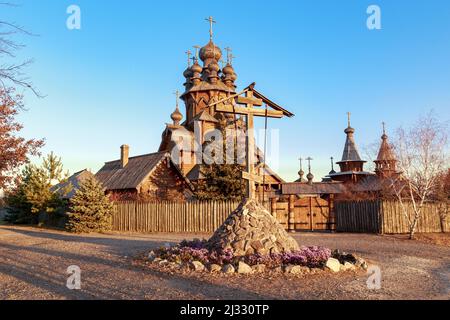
(313, 214)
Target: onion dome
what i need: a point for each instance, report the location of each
(310, 178)
(229, 76)
(188, 73)
(196, 68)
(210, 52)
(176, 117)
(228, 70)
(213, 69)
(349, 130)
(301, 174)
(196, 73)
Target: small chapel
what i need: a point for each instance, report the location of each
(309, 205)
(351, 165)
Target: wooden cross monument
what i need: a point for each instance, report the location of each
(249, 110)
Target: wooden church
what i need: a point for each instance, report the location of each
(211, 103)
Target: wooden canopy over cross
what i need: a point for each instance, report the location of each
(197, 48)
(246, 105)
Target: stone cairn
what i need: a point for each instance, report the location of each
(251, 229)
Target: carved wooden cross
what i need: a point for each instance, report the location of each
(228, 50)
(231, 58)
(309, 159)
(189, 53)
(177, 95)
(301, 163)
(211, 22)
(250, 112)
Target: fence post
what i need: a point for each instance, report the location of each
(291, 214)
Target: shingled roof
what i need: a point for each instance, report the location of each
(72, 184)
(315, 188)
(350, 150)
(386, 153)
(115, 177)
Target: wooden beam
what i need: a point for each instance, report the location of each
(249, 100)
(247, 111)
(252, 177)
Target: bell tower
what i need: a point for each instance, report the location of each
(386, 163)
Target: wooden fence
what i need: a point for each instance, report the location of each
(387, 217)
(171, 217)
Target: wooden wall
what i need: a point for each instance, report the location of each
(386, 217)
(358, 216)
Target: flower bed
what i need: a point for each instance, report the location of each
(195, 255)
(185, 252)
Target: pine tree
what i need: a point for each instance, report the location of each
(90, 209)
(18, 208)
(33, 193)
(221, 181)
(54, 169)
(31, 197)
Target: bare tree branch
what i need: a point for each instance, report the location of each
(422, 156)
(12, 74)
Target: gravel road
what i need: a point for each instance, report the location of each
(33, 264)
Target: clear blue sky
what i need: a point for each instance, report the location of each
(112, 82)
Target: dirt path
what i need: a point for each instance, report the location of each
(33, 264)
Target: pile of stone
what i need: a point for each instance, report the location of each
(342, 261)
(333, 265)
(251, 229)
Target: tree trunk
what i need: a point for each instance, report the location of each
(412, 230)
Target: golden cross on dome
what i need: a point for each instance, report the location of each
(197, 48)
(211, 22)
(231, 58)
(228, 50)
(301, 163)
(177, 95)
(189, 53)
(309, 159)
